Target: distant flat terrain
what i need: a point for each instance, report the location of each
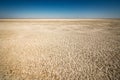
(86, 49)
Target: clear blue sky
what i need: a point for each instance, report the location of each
(59, 8)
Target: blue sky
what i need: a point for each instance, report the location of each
(59, 8)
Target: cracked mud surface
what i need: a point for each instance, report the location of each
(60, 50)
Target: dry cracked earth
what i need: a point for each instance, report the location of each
(60, 49)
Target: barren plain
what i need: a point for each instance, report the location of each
(87, 49)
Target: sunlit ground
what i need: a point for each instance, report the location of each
(60, 49)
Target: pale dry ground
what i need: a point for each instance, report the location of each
(60, 50)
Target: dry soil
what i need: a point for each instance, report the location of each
(60, 49)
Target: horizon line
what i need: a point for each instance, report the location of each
(59, 18)
(28, 19)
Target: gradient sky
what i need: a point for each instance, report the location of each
(59, 8)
